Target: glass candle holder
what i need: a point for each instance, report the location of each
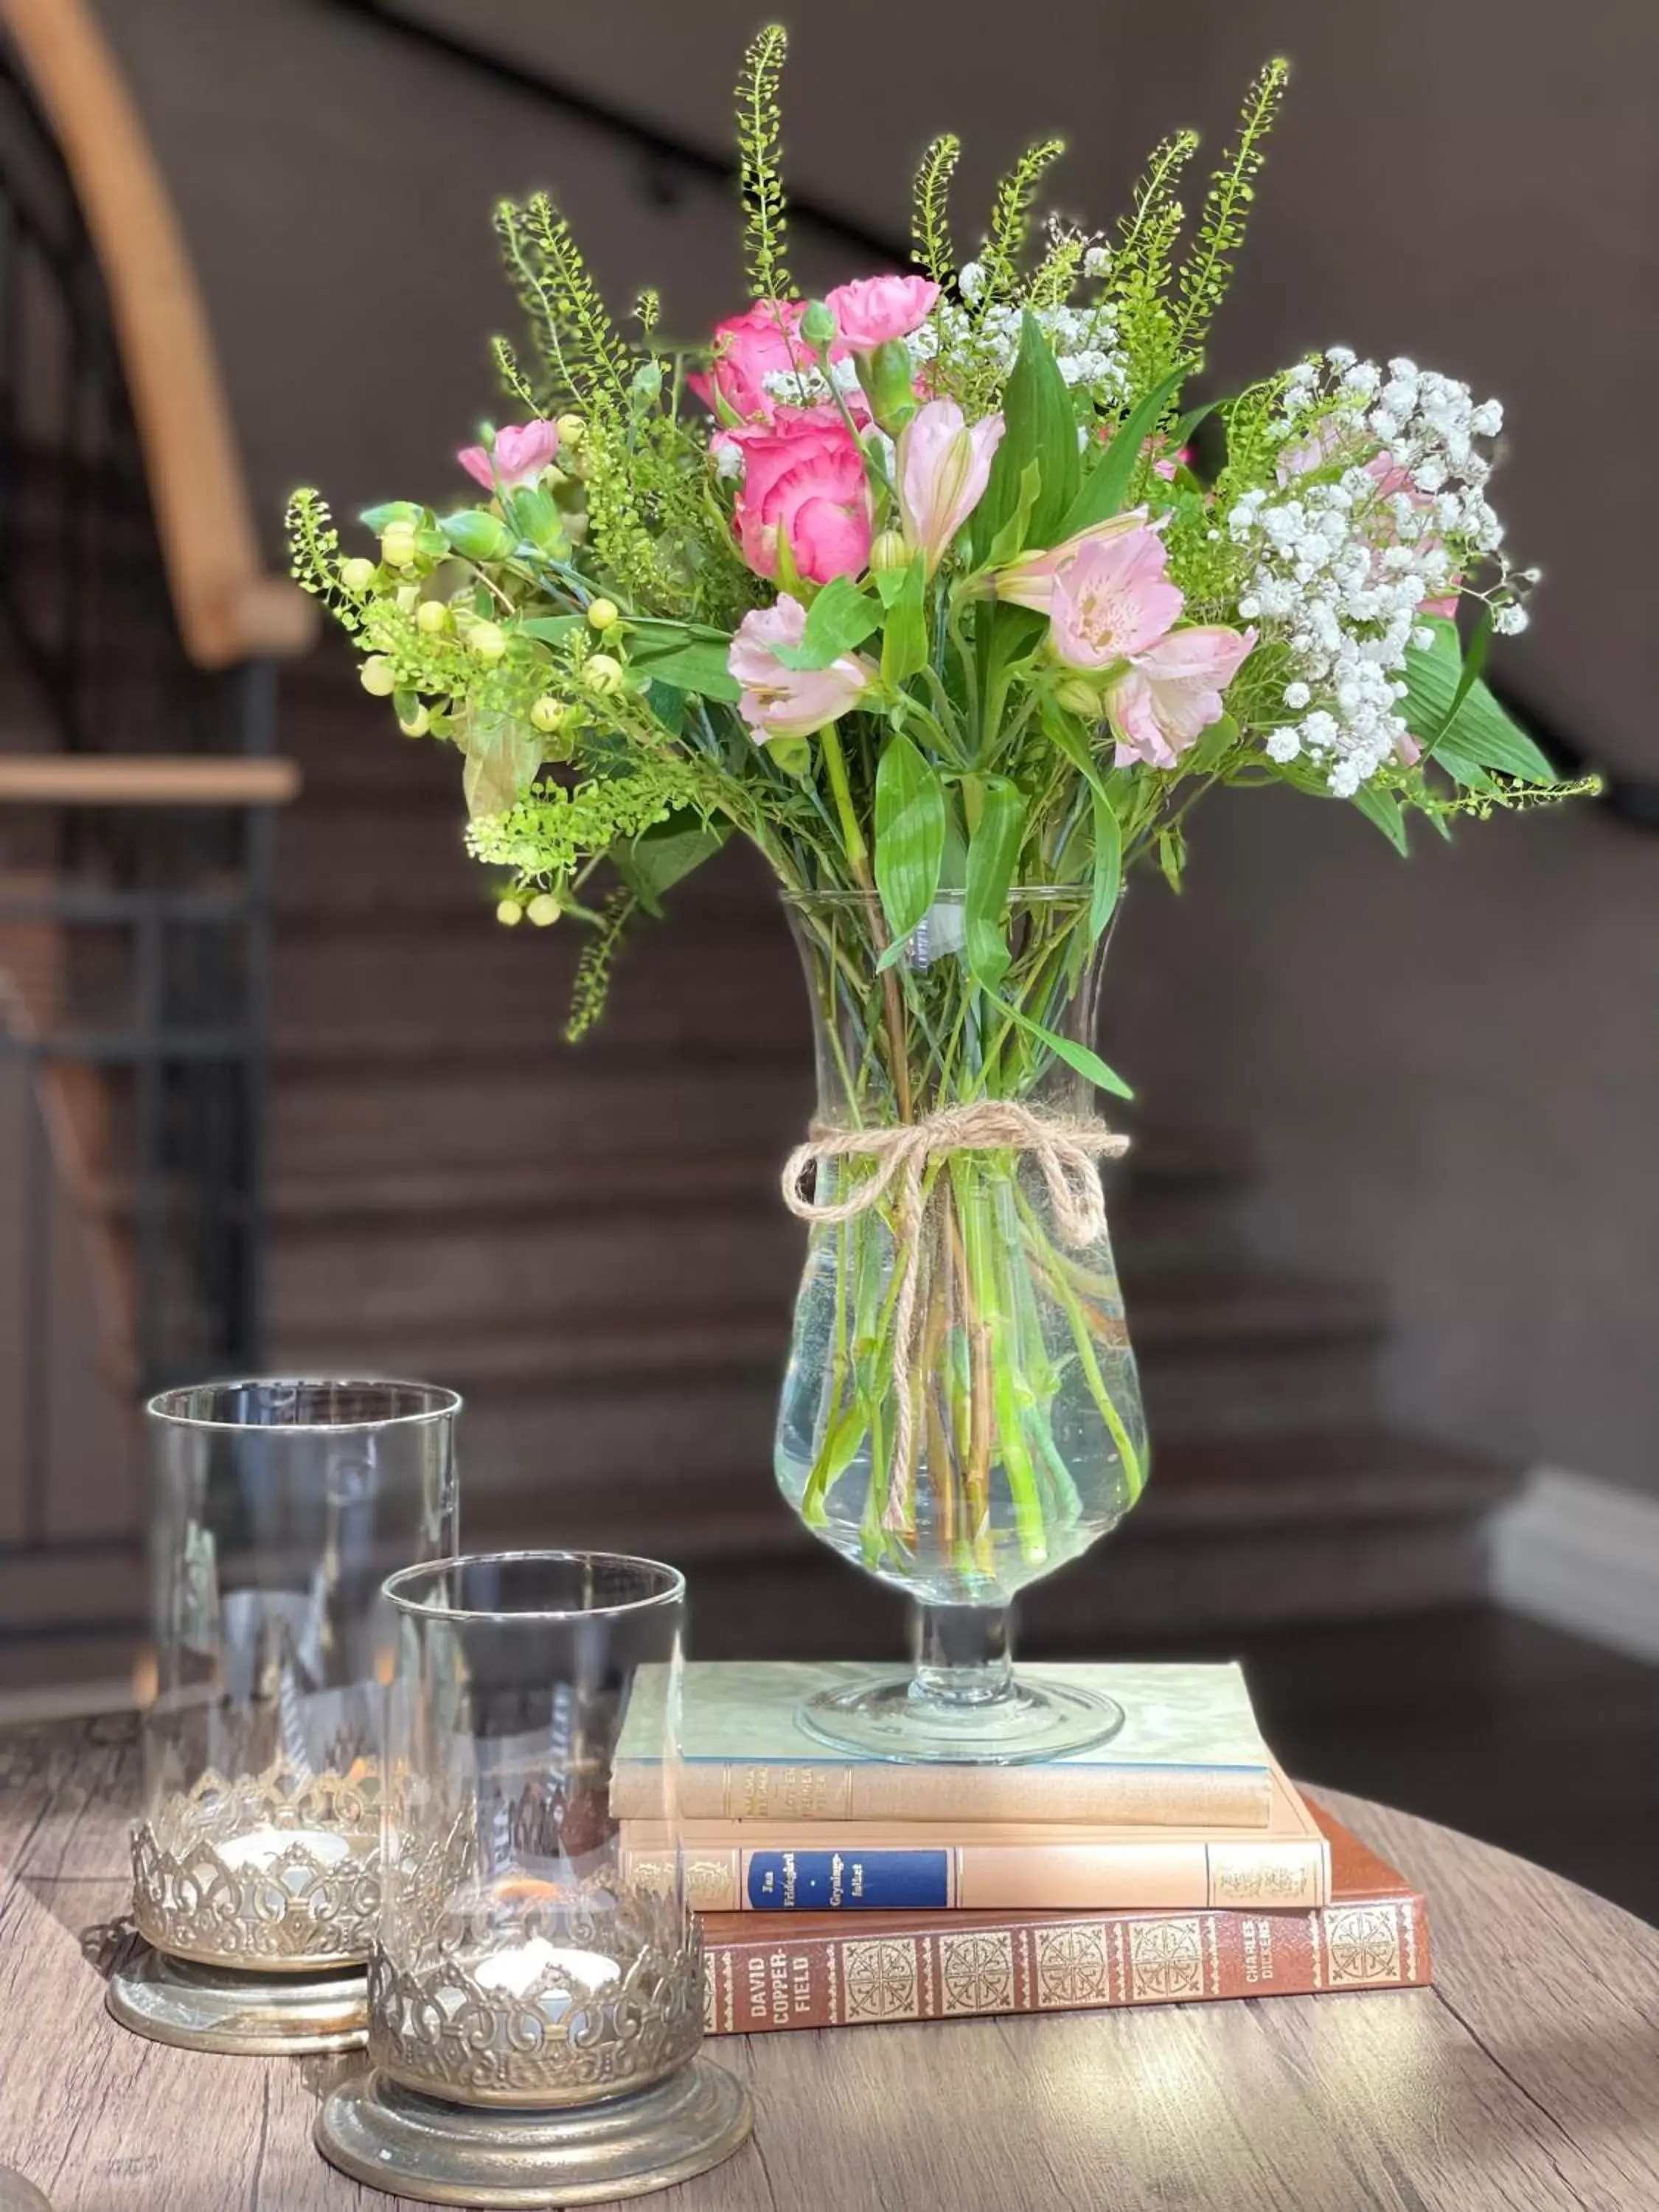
(536, 2005)
(280, 1507)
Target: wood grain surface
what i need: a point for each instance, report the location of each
(1526, 2079)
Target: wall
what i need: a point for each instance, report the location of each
(1454, 1071)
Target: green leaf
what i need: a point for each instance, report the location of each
(476, 535)
(1040, 427)
(535, 515)
(992, 852)
(1068, 736)
(910, 835)
(696, 665)
(1463, 726)
(1172, 856)
(890, 584)
(1086, 1063)
(904, 648)
(503, 756)
(392, 510)
(551, 630)
(838, 619)
(1010, 537)
(1107, 485)
(1383, 808)
(653, 863)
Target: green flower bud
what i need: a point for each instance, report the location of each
(572, 430)
(357, 576)
(398, 546)
(604, 614)
(889, 379)
(543, 911)
(432, 615)
(602, 673)
(486, 639)
(378, 676)
(415, 724)
(408, 598)
(509, 914)
(792, 754)
(818, 324)
(890, 551)
(1078, 698)
(547, 714)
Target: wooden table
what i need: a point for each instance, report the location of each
(1526, 2079)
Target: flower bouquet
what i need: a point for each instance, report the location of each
(942, 592)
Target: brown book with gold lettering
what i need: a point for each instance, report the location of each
(838, 1969)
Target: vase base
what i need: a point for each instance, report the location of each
(629, 2146)
(202, 2007)
(1029, 1721)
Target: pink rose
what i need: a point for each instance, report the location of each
(871, 310)
(1113, 600)
(943, 466)
(1029, 580)
(764, 341)
(522, 451)
(803, 481)
(1172, 690)
(790, 702)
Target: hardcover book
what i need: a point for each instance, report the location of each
(1189, 1754)
(831, 1970)
(783, 1866)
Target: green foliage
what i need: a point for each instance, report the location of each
(931, 220)
(591, 986)
(910, 835)
(1040, 428)
(1138, 281)
(586, 356)
(1208, 268)
(511, 377)
(1054, 279)
(760, 165)
(314, 546)
(1011, 222)
(1469, 733)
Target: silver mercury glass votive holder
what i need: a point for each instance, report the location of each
(534, 2016)
(280, 1506)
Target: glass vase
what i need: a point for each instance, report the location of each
(961, 1413)
(535, 2008)
(280, 1506)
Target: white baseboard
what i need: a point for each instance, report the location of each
(1583, 1555)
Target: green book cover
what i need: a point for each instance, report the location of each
(1190, 1751)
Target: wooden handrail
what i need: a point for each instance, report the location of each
(228, 605)
(153, 780)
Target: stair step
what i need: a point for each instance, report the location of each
(474, 984)
(1276, 1486)
(528, 1342)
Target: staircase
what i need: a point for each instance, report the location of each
(588, 1242)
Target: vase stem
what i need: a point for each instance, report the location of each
(962, 1654)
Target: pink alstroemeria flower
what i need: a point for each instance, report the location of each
(1172, 691)
(872, 311)
(790, 702)
(1113, 600)
(943, 466)
(523, 450)
(1030, 580)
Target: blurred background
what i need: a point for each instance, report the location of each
(275, 1090)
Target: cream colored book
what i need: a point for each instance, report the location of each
(1189, 1754)
(758, 1866)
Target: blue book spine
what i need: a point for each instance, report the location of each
(824, 1881)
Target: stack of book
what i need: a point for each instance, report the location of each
(1174, 1861)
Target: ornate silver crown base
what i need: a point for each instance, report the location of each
(389, 2137)
(253, 2015)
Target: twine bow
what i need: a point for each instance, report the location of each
(1067, 1151)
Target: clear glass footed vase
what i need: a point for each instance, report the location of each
(962, 1414)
